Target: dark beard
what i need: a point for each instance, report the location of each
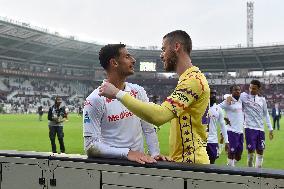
(236, 97)
(171, 63)
(213, 101)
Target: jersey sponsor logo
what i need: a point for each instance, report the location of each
(180, 96)
(117, 117)
(87, 118)
(187, 91)
(87, 103)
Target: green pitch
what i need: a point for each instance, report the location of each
(273, 154)
(26, 133)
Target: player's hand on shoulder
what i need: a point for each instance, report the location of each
(140, 157)
(108, 90)
(229, 100)
(163, 158)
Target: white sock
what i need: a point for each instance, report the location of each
(236, 163)
(258, 161)
(231, 162)
(220, 149)
(250, 159)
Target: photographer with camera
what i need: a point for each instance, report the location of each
(56, 117)
(40, 113)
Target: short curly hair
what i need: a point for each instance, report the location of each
(256, 82)
(233, 86)
(108, 52)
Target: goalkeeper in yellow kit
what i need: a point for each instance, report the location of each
(186, 107)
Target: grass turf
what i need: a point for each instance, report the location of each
(24, 132)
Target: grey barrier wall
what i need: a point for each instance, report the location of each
(32, 170)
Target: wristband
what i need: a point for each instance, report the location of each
(120, 94)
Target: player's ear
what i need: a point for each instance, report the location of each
(113, 62)
(177, 46)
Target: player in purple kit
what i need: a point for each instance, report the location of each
(215, 116)
(255, 109)
(235, 125)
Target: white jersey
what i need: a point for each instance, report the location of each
(255, 109)
(235, 115)
(112, 130)
(216, 116)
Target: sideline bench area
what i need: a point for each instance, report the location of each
(36, 170)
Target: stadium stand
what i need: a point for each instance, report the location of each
(26, 94)
(36, 65)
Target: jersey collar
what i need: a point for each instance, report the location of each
(127, 88)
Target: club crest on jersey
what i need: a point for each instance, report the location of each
(133, 93)
(86, 118)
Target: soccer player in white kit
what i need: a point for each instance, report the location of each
(235, 126)
(255, 109)
(110, 129)
(215, 116)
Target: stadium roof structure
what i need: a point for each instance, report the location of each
(23, 43)
(253, 59)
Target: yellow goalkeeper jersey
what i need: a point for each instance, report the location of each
(190, 103)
